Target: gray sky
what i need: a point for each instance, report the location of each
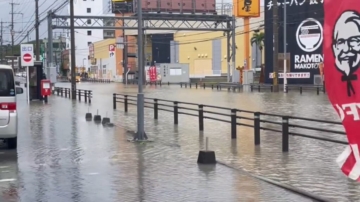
(25, 20)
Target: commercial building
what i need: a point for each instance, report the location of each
(104, 60)
(304, 42)
(85, 37)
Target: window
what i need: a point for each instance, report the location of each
(7, 87)
(175, 71)
(89, 42)
(88, 10)
(89, 33)
(89, 21)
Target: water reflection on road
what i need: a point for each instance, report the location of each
(61, 157)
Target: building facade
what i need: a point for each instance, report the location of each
(104, 65)
(206, 52)
(304, 41)
(85, 37)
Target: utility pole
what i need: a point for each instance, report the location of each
(285, 45)
(37, 30)
(276, 46)
(1, 42)
(12, 30)
(140, 134)
(72, 51)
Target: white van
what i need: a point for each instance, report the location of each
(8, 112)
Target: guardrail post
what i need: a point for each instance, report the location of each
(58, 92)
(285, 134)
(65, 93)
(272, 88)
(114, 101)
(61, 92)
(86, 94)
(79, 93)
(258, 88)
(196, 84)
(204, 85)
(190, 85)
(251, 88)
(286, 89)
(300, 89)
(90, 96)
(176, 113)
(125, 103)
(257, 128)
(180, 85)
(155, 109)
(317, 90)
(212, 86)
(233, 124)
(201, 117)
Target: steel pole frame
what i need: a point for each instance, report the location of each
(154, 22)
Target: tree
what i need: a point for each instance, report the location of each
(258, 39)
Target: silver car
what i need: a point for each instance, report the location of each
(8, 112)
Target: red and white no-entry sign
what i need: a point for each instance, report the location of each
(27, 55)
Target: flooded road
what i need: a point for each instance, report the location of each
(310, 164)
(61, 157)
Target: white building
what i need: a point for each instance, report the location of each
(84, 37)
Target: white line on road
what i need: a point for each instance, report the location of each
(93, 173)
(2, 167)
(8, 180)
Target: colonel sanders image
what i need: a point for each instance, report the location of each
(346, 47)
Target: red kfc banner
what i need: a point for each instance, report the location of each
(342, 79)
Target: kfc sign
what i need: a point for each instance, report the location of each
(342, 60)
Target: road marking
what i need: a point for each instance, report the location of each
(5, 171)
(93, 173)
(2, 167)
(8, 180)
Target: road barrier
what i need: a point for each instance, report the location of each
(286, 125)
(66, 92)
(92, 80)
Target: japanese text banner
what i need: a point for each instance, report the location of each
(341, 50)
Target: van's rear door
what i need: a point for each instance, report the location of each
(7, 95)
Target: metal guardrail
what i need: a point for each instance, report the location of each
(66, 92)
(96, 80)
(285, 126)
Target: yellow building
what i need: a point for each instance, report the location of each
(196, 48)
(105, 55)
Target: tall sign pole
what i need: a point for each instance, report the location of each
(27, 60)
(285, 45)
(276, 47)
(140, 136)
(72, 51)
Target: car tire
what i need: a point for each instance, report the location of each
(12, 143)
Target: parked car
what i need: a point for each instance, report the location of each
(8, 108)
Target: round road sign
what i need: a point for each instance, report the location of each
(27, 57)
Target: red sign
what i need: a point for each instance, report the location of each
(341, 63)
(152, 73)
(27, 57)
(112, 47)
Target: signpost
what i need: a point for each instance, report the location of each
(112, 50)
(27, 59)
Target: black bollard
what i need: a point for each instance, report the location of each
(97, 117)
(206, 156)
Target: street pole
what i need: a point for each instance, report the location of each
(1, 41)
(72, 50)
(37, 30)
(285, 41)
(140, 136)
(276, 47)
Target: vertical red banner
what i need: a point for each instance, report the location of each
(341, 50)
(152, 73)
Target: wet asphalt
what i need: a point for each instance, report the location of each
(62, 157)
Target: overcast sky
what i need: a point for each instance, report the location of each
(25, 17)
